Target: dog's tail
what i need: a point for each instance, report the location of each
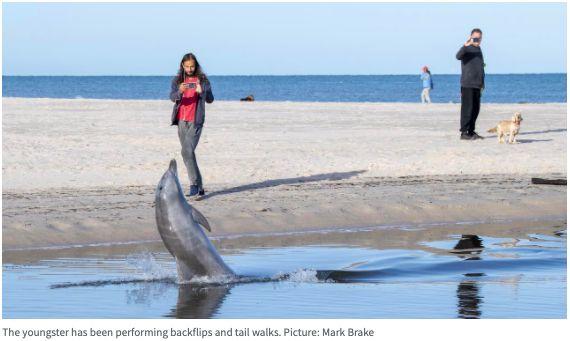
(492, 130)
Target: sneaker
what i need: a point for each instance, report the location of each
(193, 191)
(201, 195)
(466, 136)
(476, 136)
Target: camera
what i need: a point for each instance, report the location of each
(475, 40)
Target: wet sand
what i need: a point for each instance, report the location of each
(79, 172)
(125, 214)
(403, 237)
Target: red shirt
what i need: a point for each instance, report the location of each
(187, 109)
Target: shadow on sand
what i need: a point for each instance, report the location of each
(286, 181)
(533, 133)
(543, 131)
(523, 140)
(532, 140)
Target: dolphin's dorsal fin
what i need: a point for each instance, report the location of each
(200, 219)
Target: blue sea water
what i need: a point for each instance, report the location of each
(508, 88)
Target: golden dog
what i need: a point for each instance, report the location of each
(510, 128)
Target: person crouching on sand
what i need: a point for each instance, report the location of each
(427, 84)
(190, 91)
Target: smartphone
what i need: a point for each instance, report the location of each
(475, 40)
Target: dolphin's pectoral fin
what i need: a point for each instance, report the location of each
(200, 219)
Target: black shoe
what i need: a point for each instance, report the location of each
(193, 191)
(466, 136)
(476, 136)
(201, 195)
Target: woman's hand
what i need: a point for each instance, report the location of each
(181, 87)
(198, 87)
(468, 42)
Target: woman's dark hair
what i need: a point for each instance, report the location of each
(198, 72)
(476, 30)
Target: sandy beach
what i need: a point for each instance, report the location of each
(83, 171)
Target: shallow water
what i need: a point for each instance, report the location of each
(311, 276)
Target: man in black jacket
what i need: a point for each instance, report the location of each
(472, 82)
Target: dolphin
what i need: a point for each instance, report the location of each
(180, 227)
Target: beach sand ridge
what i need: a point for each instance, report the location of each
(84, 171)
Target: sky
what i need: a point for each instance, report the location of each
(278, 39)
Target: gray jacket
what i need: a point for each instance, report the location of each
(205, 97)
(472, 67)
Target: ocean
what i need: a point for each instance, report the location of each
(507, 88)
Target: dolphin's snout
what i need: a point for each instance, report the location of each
(168, 185)
(170, 172)
(172, 167)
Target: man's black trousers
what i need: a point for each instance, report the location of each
(470, 105)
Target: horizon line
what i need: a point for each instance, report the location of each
(289, 75)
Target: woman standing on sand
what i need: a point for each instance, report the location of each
(427, 84)
(190, 91)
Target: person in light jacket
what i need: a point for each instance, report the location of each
(427, 83)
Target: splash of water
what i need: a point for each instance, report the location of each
(149, 268)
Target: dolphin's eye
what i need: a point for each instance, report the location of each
(160, 188)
